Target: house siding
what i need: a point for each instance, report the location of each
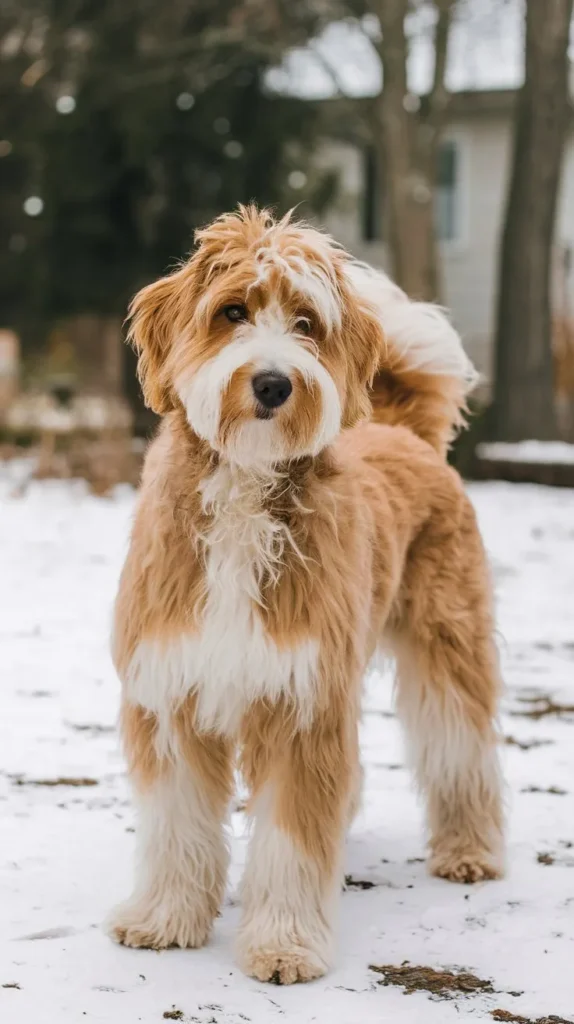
(469, 263)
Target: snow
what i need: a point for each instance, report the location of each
(66, 851)
(554, 452)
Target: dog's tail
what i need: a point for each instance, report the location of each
(425, 375)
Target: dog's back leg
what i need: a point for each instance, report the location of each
(447, 692)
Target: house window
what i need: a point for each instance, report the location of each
(447, 213)
(446, 202)
(372, 219)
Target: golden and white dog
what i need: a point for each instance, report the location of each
(277, 545)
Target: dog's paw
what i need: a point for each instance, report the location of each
(148, 925)
(466, 866)
(283, 967)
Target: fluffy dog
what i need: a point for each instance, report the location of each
(278, 544)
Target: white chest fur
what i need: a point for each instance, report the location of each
(230, 661)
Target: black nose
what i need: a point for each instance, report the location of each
(271, 389)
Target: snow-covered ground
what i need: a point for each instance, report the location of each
(65, 850)
(559, 452)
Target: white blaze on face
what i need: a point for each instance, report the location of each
(266, 345)
(310, 279)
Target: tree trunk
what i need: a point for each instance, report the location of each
(409, 139)
(524, 385)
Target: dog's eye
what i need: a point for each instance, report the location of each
(303, 325)
(235, 313)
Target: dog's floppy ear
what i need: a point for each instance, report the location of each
(159, 314)
(152, 314)
(364, 342)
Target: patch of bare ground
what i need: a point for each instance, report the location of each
(91, 728)
(450, 984)
(553, 790)
(549, 857)
(541, 707)
(517, 1018)
(543, 645)
(63, 780)
(444, 984)
(512, 741)
(358, 883)
(545, 858)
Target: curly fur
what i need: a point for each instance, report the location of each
(271, 557)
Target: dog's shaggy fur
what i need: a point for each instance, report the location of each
(274, 551)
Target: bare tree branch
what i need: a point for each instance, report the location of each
(438, 96)
(328, 67)
(393, 45)
(409, 134)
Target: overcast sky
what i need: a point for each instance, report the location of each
(485, 52)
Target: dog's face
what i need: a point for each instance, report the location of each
(261, 338)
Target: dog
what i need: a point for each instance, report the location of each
(281, 540)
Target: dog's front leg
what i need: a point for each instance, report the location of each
(303, 786)
(182, 782)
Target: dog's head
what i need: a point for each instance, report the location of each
(261, 337)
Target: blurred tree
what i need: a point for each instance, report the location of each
(405, 130)
(409, 132)
(123, 125)
(524, 386)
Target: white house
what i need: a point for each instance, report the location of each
(485, 66)
(474, 168)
